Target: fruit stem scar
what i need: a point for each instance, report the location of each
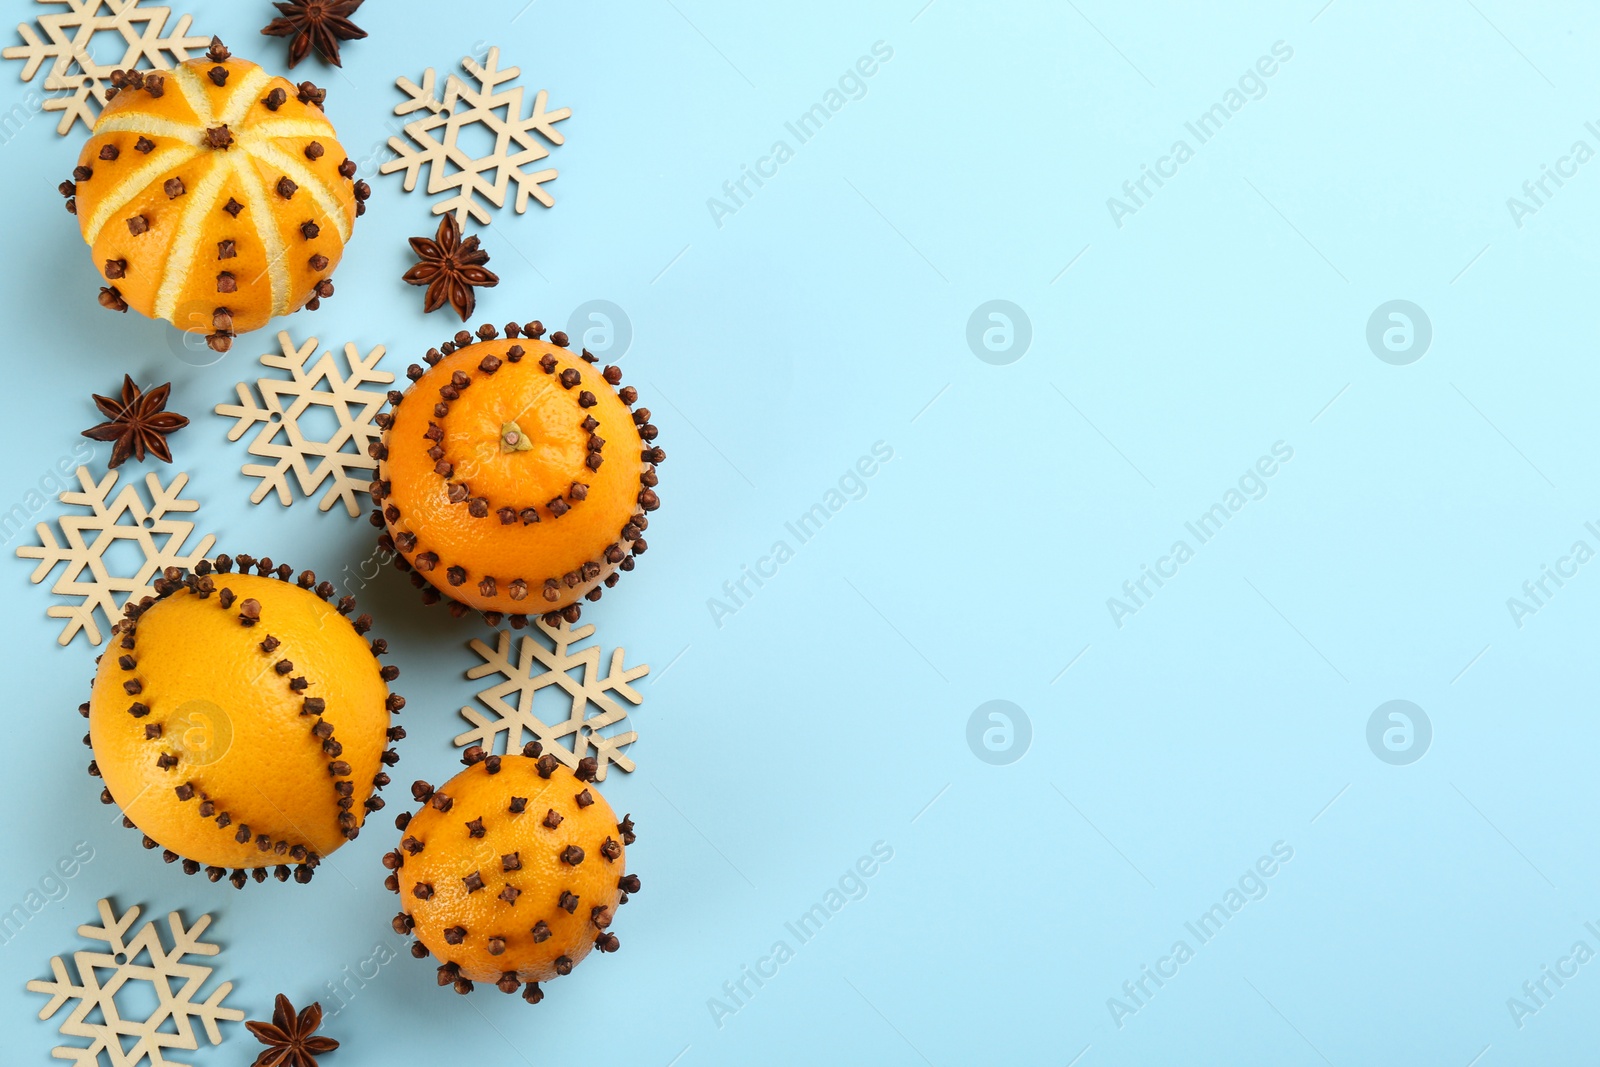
(513, 439)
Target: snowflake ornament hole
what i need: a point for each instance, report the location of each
(122, 555)
(319, 422)
(474, 141)
(554, 704)
(138, 1000)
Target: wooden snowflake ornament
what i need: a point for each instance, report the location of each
(88, 537)
(537, 667)
(88, 40)
(142, 958)
(342, 459)
(434, 139)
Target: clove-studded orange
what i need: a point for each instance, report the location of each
(214, 196)
(511, 872)
(240, 720)
(514, 475)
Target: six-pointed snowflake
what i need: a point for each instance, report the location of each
(435, 145)
(86, 573)
(537, 667)
(342, 456)
(142, 958)
(89, 40)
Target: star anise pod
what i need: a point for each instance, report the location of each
(450, 267)
(323, 23)
(138, 423)
(289, 1038)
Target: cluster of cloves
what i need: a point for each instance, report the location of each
(152, 82)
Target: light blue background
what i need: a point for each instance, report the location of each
(830, 712)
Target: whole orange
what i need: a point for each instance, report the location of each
(214, 196)
(513, 477)
(511, 872)
(240, 720)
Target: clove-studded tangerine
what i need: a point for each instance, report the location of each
(514, 475)
(214, 196)
(241, 720)
(511, 872)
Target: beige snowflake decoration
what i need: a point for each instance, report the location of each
(86, 538)
(341, 459)
(518, 141)
(175, 982)
(88, 40)
(537, 667)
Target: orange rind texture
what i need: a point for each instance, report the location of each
(241, 720)
(513, 478)
(511, 872)
(214, 196)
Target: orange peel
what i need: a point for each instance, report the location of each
(214, 196)
(514, 476)
(241, 720)
(511, 872)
